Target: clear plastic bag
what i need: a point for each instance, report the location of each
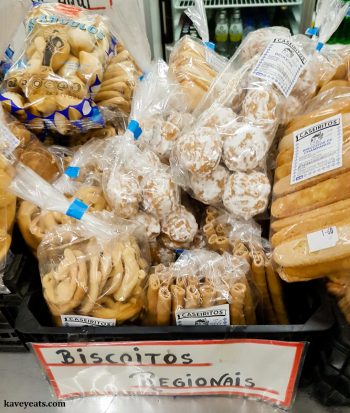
(51, 85)
(198, 281)
(242, 239)
(84, 276)
(160, 107)
(194, 63)
(27, 148)
(221, 158)
(133, 57)
(309, 228)
(7, 218)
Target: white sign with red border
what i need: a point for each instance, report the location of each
(260, 369)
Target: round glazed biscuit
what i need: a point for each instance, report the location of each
(179, 119)
(151, 224)
(261, 104)
(209, 189)
(160, 135)
(173, 245)
(306, 84)
(180, 225)
(124, 194)
(159, 194)
(199, 151)
(245, 149)
(247, 194)
(219, 118)
(291, 108)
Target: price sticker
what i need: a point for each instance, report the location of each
(321, 240)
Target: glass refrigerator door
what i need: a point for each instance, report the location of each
(253, 14)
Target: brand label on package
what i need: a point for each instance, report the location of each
(211, 316)
(321, 240)
(258, 369)
(281, 64)
(8, 141)
(81, 321)
(317, 149)
(86, 4)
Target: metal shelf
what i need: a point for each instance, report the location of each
(213, 4)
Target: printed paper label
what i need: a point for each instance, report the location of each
(281, 64)
(211, 316)
(321, 240)
(8, 141)
(81, 321)
(317, 149)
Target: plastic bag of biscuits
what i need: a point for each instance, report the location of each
(88, 280)
(221, 158)
(311, 191)
(161, 108)
(26, 147)
(194, 63)
(7, 218)
(224, 234)
(133, 57)
(138, 186)
(201, 288)
(52, 84)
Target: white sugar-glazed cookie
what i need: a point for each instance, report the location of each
(209, 189)
(247, 194)
(246, 148)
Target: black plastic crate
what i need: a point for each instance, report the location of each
(332, 374)
(9, 339)
(311, 316)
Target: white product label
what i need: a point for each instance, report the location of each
(8, 141)
(86, 4)
(281, 64)
(258, 369)
(321, 240)
(211, 316)
(317, 149)
(215, 61)
(81, 321)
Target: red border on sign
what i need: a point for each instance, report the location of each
(285, 403)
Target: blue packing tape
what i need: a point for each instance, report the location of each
(179, 251)
(319, 46)
(77, 209)
(72, 171)
(312, 31)
(134, 127)
(142, 77)
(210, 45)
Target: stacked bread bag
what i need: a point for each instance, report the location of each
(311, 191)
(221, 158)
(52, 84)
(194, 63)
(197, 286)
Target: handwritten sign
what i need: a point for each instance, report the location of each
(260, 369)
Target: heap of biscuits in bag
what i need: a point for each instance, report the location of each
(141, 187)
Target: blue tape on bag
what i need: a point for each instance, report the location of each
(72, 171)
(142, 77)
(77, 209)
(312, 31)
(319, 46)
(134, 127)
(179, 251)
(210, 45)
